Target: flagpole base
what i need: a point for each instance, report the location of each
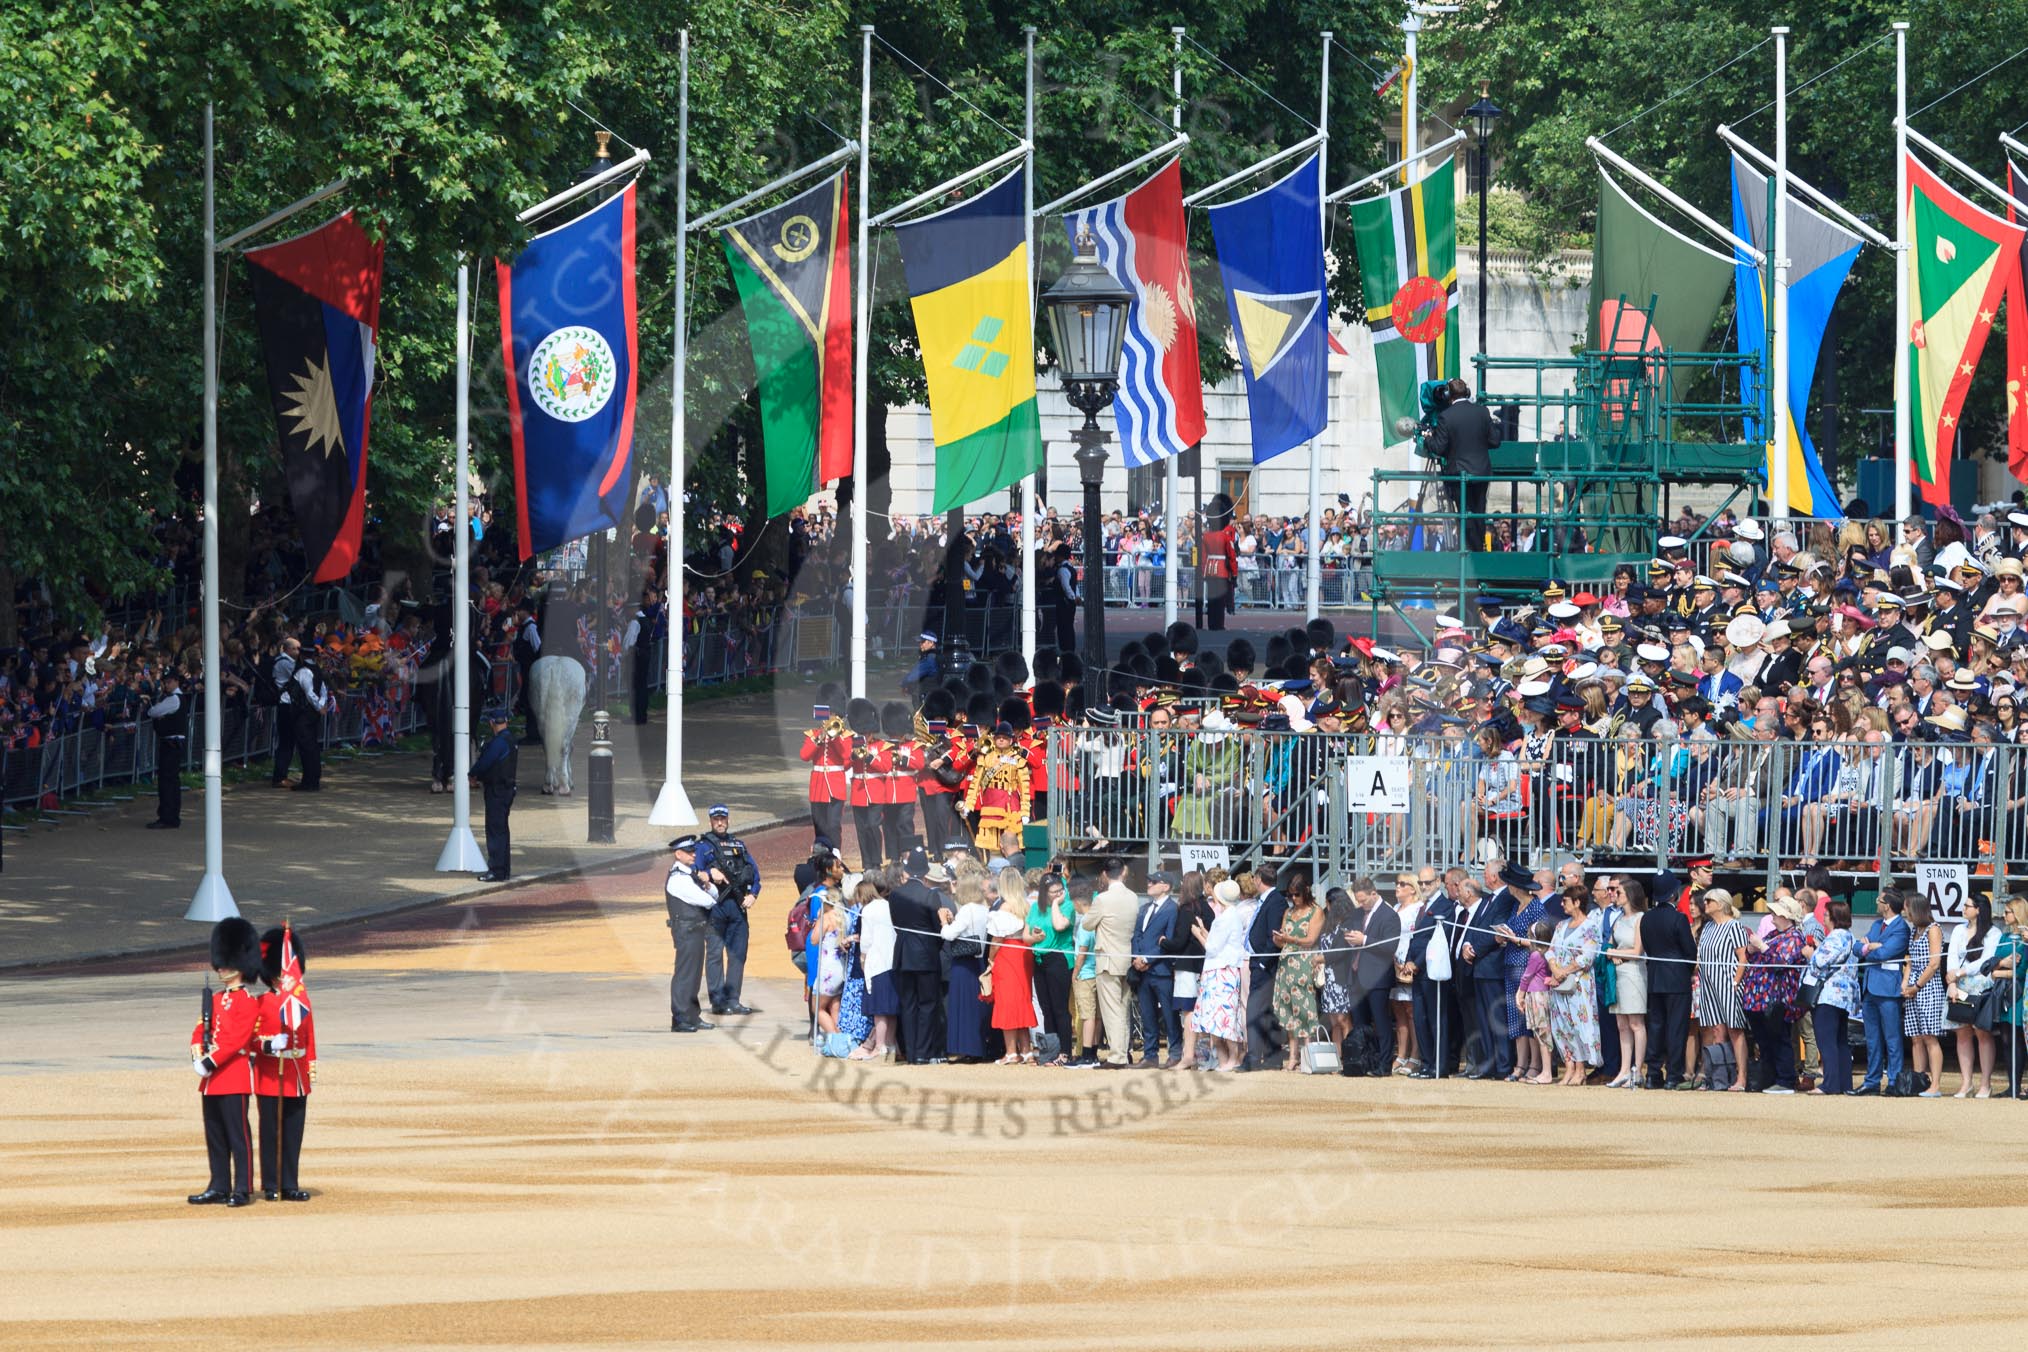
(461, 853)
(213, 901)
(672, 806)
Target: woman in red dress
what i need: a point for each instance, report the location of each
(1013, 985)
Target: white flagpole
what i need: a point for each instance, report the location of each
(1172, 553)
(1903, 261)
(1411, 131)
(672, 804)
(1778, 235)
(213, 901)
(1313, 581)
(1028, 483)
(861, 360)
(461, 852)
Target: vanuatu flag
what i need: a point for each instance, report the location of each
(317, 304)
(1961, 264)
(793, 267)
(567, 335)
(1408, 267)
(967, 270)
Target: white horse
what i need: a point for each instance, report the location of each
(556, 691)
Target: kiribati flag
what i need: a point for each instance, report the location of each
(317, 303)
(567, 334)
(1143, 241)
(1271, 252)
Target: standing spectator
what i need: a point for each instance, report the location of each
(1012, 972)
(1922, 995)
(1221, 1000)
(1721, 961)
(1833, 975)
(1974, 952)
(1111, 921)
(1052, 930)
(965, 930)
(1630, 978)
(1295, 981)
(1153, 976)
(1669, 955)
(1884, 953)
(1767, 991)
(1186, 960)
(1573, 991)
(1270, 908)
(1532, 999)
(281, 674)
(882, 1004)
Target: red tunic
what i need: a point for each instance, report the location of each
(828, 757)
(292, 1073)
(235, 1014)
(869, 777)
(906, 760)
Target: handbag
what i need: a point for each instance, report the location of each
(1810, 991)
(1607, 976)
(1962, 1011)
(986, 986)
(837, 1045)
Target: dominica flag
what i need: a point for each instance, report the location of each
(967, 272)
(1408, 268)
(317, 305)
(1271, 258)
(2017, 336)
(1962, 261)
(793, 268)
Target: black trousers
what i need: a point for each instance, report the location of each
(1052, 987)
(285, 741)
(827, 820)
(1066, 624)
(900, 831)
(1668, 1028)
(1496, 1049)
(499, 802)
(1834, 1049)
(725, 956)
(1474, 525)
(1217, 604)
(1777, 1039)
(169, 753)
(1261, 1028)
(310, 746)
(921, 996)
(939, 822)
(868, 823)
(688, 927)
(641, 669)
(1434, 1007)
(1370, 1010)
(439, 708)
(279, 1175)
(225, 1143)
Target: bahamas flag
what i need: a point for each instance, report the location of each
(967, 271)
(1408, 267)
(1271, 255)
(1821, 253)
(567, 334)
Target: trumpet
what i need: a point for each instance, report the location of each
(834, 726)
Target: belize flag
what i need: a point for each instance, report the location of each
(317, 304)
(1271, 252)
(1143, 241)
(567, 334)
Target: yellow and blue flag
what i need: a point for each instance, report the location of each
(967, 270)
(1271, 253)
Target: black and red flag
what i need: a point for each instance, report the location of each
(317, 301)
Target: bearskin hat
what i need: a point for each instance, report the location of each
(896, 720)
(1211, 664)
(1181, 637)
(1074, 704)
(1070, 670)
(863, 717)
(1240, 657)
(271, 955)
(1277, 651)
(1047, 664)
(1014, 713)
(1010, 667)
(979, 710)
(1321, 635)
(978, 676)
(1048, 700)
(939, 704)
(236, 946)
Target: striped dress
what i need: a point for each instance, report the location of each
(1717, 960)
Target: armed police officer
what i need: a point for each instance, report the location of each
(724, 861)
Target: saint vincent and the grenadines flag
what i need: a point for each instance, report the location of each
(1407, 241)
(967, 272)
(1962, 261)
(567, 334)
(1821, 253)
(1271, 256)
(793, 268)
(317, 304)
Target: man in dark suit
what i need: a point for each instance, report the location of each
(918, 963)
(1429, 997)
(1265, 958)
(1488, 963)
(1464, 439)
(1670, 949)
(1153, 975)
(1373, 965)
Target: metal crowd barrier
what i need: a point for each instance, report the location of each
(1935, 815)
(1132, 586)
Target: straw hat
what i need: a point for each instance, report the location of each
(1744, 631)
(1789, 909)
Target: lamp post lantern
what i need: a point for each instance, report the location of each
(1087, 324)
(1484, 113)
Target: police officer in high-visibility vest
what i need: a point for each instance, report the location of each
(494, 771)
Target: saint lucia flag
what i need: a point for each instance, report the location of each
(1271, 255)
(967, 270)
(567, 335)
(1821, 253)
(317, 303)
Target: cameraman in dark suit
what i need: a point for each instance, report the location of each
(1464, 438)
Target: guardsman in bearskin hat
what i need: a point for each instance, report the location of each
(942, 773)
(222, 1050)
(285, 1066)
(827, 747)
(869, 763)
(1046, 699)
(904, 758)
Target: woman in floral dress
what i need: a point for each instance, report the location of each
(1295, 992)
(1573, 992)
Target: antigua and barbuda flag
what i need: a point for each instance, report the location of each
(567, 335)
(1143, 241)
(317, 304)
(1271, 254)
